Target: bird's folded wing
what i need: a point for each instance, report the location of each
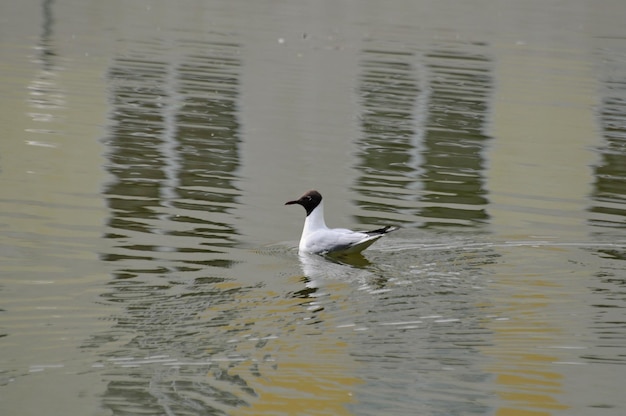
(342, 240)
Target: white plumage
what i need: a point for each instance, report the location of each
(317, 238)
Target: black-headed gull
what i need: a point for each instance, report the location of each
(317, 238)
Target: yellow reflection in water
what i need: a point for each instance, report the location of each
(305, 367)
(526, 379)
(298, 387)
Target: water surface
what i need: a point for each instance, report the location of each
(148, 264)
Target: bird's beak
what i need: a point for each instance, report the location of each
(291, 202)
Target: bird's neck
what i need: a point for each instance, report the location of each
(315, 220)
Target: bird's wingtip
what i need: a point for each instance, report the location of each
(384, 230)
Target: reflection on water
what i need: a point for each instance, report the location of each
(608, 210)
(423, 145)
(523, 365)
(143, 292)
(388, 151)
(46, 95)
(609, 192)
(454, 144)
(45, 43)
(173, 153)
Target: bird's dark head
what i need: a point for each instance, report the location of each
(309, 201)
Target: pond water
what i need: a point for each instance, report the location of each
(149, 266)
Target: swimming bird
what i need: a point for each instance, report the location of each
(317, 238)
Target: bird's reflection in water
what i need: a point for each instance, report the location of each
(318, 271)
(351, 259)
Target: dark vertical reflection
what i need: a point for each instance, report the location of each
(173, 155)
(609, 189)
(135, 158)
(45, 45)
(453, 151)
(388, 152)
(608, 216)
(422, 154)
(208, 132)
(45, 95)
